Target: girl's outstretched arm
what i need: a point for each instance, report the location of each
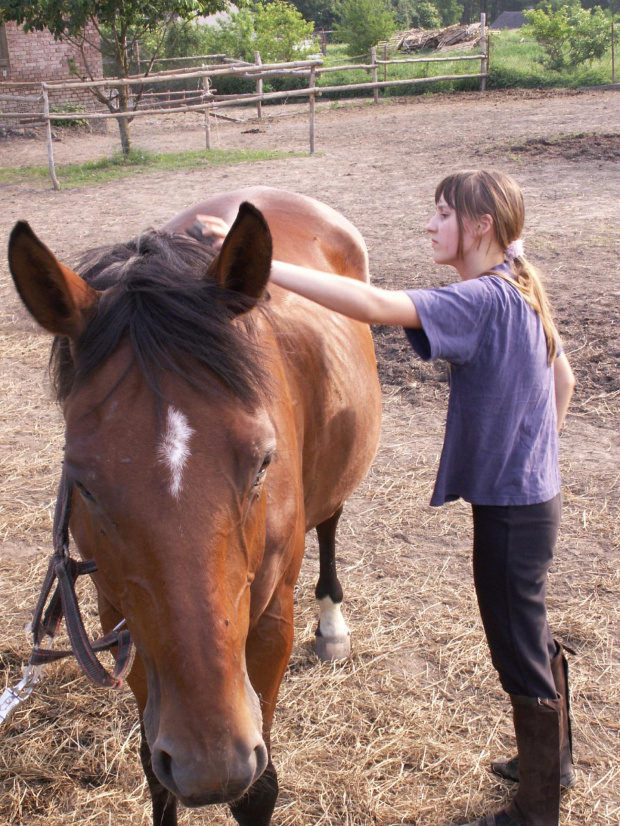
(564, 387)
(352, 298)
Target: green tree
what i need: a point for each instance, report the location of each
(234, 37)
(183, 39)
(282, 34)
(362, 24)
(450, 11)
(319, 12)
(422, 14)
(590, 36)
(550, 30)
(568, 33)
(275, 29)
(119, 26)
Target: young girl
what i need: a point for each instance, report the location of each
(510, 385)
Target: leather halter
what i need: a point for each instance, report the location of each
(65, 570)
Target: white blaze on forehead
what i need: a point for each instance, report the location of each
(174, 448)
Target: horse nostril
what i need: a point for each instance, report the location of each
(262, 758)
(162, 766)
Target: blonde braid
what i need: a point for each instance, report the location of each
(528, 281)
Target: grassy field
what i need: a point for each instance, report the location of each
(514, 63)
(139, 161)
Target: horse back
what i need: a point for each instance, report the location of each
(304, 231)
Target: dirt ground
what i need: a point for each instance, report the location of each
(423, 708)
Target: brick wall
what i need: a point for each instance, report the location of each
(35, 57)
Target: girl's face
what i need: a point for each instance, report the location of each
(444, 231)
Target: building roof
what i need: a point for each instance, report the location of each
(509, 20)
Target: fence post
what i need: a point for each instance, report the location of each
(206, 85)
(613, 56)
(312, 103)
(48, 129)
(385, 64)
(483, 49)
(488, 51)
(259, 86)
(373, 58)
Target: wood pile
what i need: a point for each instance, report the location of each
(416, 40)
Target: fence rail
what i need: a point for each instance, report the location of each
(257, 72)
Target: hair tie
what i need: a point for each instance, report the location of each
(514, 250)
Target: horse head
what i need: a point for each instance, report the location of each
(169, 436)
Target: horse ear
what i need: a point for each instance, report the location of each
(244, 262)
(57, 297)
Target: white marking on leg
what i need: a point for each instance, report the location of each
(331, 621)
(174, 448)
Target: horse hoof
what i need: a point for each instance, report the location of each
(330, 649)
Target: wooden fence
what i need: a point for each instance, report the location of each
(206, 101)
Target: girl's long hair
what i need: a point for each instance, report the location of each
(472, 194)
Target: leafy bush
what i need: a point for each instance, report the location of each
(281, 32)
(426, 14)
(591, 37)
(422, 14)
(183, 38)
(275, 29)
(515, 63)
(68, 122)
(362, 24)
(319, 12)
(568, 35)
(234, 37)
(450, 11)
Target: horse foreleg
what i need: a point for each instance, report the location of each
(256, 807)
(333, 641)
(267, 654)
(164, 802)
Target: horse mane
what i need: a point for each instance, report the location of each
(157, 295)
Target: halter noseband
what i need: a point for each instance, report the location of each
(66, 570)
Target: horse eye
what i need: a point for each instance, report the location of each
(84, 493)
(263, 470)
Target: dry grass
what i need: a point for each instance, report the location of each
(402, 733)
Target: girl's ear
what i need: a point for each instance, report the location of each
(484, 224)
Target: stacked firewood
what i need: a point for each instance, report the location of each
(416, 40)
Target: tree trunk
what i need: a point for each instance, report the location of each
(123, 122)
(123, 128)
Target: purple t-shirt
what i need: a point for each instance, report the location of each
(500, 445)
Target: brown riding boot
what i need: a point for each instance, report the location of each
(509, 769)
(537, 801)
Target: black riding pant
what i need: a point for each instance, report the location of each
(513, 550)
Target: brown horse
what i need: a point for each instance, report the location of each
(209, 425)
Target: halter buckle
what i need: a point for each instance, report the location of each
(14, 697)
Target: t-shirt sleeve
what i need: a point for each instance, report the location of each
(453, 320)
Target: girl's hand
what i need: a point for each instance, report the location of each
(564, 387)
(213, 229)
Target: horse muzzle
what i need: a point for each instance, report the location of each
(220, 777)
